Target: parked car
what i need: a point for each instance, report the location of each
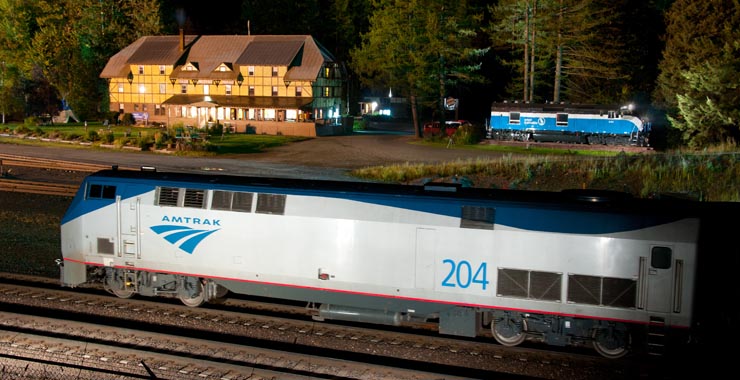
(432, 128)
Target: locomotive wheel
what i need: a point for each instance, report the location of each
(611, 343)
(509, 330)
(220, 298)
(197, 300)
(120, 293)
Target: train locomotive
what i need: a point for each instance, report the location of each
(567, 268)
(573, 123)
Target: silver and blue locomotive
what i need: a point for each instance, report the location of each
(565, 268)
(586, 124)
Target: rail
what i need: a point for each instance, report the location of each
(46, 163)
(33, 187)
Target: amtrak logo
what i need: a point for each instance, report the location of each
(184, 237)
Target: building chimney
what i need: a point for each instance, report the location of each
(249, 30)
(182, 39)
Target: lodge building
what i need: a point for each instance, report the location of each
(271, 84)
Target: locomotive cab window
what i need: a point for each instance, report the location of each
(96, 191)
(660, 257)
(514, 117)
(561, 119)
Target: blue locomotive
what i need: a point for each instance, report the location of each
(586, 124)
(564, 268)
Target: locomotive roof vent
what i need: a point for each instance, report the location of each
(445, 187)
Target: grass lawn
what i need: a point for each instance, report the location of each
(96, 133)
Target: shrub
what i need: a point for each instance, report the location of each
(215, 130)
(146, 142)
(22, 130)
(92, 136)
(468, 134)
(31, 121)
(161, 139)
(128, 119)
(71, 136)
(360, 125)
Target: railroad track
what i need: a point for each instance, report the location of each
(35, 187)
(43, 187)
(46, 163)
(446, 357)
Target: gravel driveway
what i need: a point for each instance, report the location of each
(328, 157)
(362, 150)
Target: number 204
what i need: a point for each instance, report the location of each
(461, 274)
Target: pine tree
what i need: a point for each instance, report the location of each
(567, 42)
(699, 82)
(418, 48)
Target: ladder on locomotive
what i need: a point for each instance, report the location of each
(656, 336)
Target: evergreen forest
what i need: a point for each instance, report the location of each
(677, 60)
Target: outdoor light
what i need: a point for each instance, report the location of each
(287, 83)
(194, 82)
(173, 80)
(239, 79)
(216, 82)
(130, 77)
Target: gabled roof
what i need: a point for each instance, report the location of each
(301, 53)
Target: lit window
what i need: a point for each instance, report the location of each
(228, 89)
(251, 90)
(183, 89)
(250, 70)
(141, 70)
(298, 91)
(120, 107)
(326, 92)
(161, 70)
(274, 91)
(326, 72)
(162, 88)
(120, 87)
(142, 89)
(274, 71)
(222, 68)
(206, 89)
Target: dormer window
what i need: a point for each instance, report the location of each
(190, 67)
